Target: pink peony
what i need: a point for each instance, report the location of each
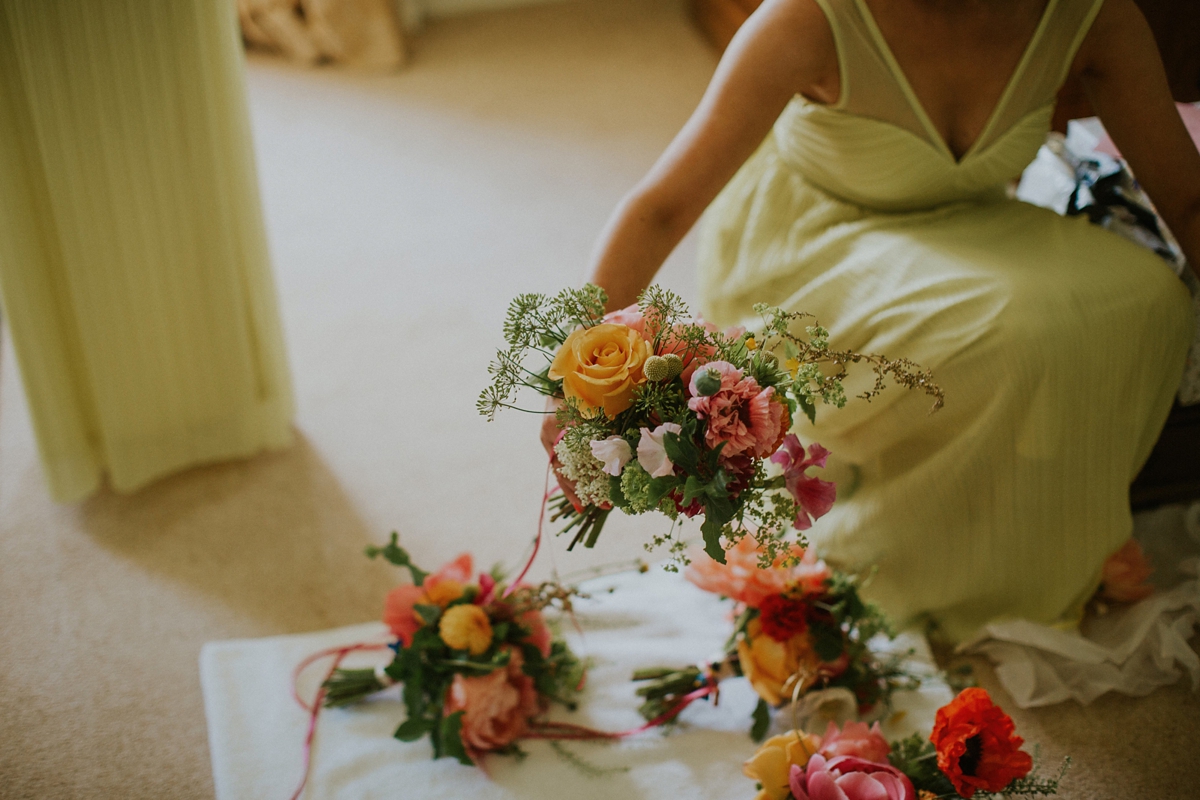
(496, 707)
(741, 414)
(855, 739)
(849, 778)
(740, 578)
(814, 497)
(1125, 574)
(539, 633)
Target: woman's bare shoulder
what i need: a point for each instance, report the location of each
(800, 28)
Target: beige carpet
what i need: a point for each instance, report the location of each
(403, 212)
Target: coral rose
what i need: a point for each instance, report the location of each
(496, 707)
(1125, 574)
(771, 764)
(741, 414)
(855, 739)
(849, 778)
(976, 747)
(741, 580)
(601, 367)
(539, 633)
(466, 627)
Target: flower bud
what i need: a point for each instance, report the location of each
(707, 382)
(769, 359)
(656, 369)
(675, 364)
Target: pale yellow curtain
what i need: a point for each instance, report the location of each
(133, 263)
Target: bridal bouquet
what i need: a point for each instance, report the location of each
(801, 635)
(972, 750)
(663, 412)
(479, 665)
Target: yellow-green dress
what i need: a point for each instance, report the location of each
(133, 260)
(1059, 345)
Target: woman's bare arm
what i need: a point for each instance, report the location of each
(785, 48)
(1127, 86)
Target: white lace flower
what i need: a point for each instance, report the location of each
(651, 454)
(614, 451)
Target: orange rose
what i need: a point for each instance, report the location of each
(774, 667)
(601, 367)
(772, 764)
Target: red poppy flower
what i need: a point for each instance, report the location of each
(782, 617)
(976, 746)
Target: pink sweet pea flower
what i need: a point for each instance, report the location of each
(814, 497)
(652, 455)
(614, 452)
(849, 778)
(743, 415)
(855, 739)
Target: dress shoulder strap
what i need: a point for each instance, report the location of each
(869, 85)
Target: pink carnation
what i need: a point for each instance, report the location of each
(848, 778)
(741, 414)
(496, 707)
(855, 739)
(814, 497)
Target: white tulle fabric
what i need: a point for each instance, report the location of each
(1132, 650)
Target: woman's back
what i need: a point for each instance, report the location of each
(914, 135)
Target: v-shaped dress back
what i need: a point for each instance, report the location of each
(1059, 345)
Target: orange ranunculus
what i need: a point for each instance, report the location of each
(771, 765)
(740, 579)
(772, 667)
(977, 748)
(466, 627)
(601, 367)
(1125, 574)
(440, 588)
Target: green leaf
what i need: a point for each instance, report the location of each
(762, 721)
(616, 494)
(429, 614)
(413, 728)
(681, 451)
(450, 736)
(396, 554)
(660, 488)
(827, 641)
(808, 407)
(712, 540)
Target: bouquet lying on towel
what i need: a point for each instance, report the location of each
(663, 412)
(973, 750)
(801, 635)
(479, 665)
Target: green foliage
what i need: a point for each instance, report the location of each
(762, 721)
(396, 554)
(916, 758)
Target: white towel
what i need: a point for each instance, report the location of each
(256, 730)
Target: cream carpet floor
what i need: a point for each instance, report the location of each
(403, 211)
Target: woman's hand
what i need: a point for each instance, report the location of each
(551, 433)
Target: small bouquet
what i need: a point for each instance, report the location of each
(973, 750)
(800, 636)
(479, 665)
(663, 412)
